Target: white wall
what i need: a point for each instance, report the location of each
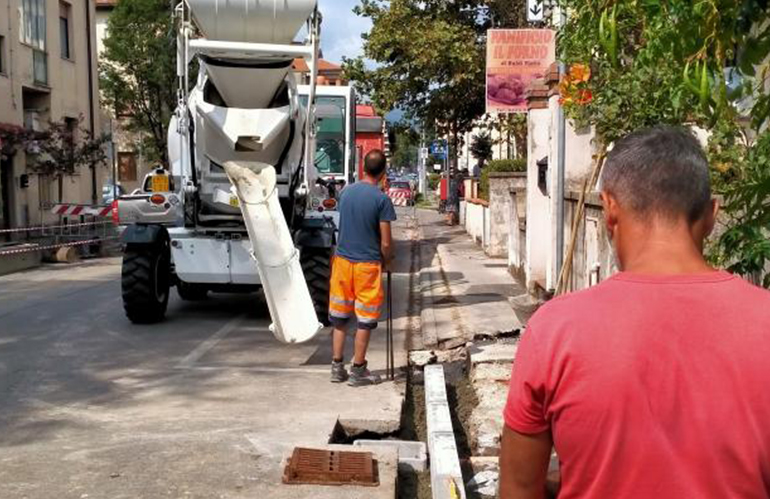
(539, 229)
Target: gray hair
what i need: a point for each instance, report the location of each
(660, 171)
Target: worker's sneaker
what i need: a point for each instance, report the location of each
(360, 376)
(339, 373)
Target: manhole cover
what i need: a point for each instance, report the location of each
(328, 467)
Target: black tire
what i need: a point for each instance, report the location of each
(317, 267)
(191, 292)
(145, 283)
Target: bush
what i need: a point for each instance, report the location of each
(499, 166)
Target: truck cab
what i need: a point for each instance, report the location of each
(335, 135)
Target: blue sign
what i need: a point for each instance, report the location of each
(438, 149)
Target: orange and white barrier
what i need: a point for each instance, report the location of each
(400, 198)
(73, 210)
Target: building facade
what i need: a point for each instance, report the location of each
(48, 73)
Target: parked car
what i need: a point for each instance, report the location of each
(401, 193)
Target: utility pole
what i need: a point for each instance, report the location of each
(561, 135)
(422, 164)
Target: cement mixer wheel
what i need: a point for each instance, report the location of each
(316, 265)
(145, 283)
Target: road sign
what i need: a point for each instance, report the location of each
(438, 149)
(424, 153)
(535, 10)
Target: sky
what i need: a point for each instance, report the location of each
(341, 29)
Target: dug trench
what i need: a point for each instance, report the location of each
(412, 428)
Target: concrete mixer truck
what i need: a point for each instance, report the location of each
(243, 205)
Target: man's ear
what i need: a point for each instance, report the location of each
(611, 212)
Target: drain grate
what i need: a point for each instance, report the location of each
(328, 467)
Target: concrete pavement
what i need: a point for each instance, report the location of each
(206, 404)
(465, 294)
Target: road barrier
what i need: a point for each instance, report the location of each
(29, 248)
(54, 227)
(400, 198)
(81, 209)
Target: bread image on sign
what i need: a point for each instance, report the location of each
(506, 89)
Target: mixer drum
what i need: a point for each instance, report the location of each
(254, 21)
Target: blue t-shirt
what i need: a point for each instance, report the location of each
(362, 207)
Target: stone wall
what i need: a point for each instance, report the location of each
(501, 209)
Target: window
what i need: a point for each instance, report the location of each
(32, 31)
(2, 55)
(330, 134)
(64, 30)
(40, 67)
(71, 125)
(127, 166)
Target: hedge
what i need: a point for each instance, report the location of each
(499, 166)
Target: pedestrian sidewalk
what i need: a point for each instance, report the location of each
(465, 294)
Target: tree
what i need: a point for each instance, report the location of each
(512, 131)
(405, 146)
(59, 151)
(138, 75)
(430, 61)
(636, 64)
(481, 148)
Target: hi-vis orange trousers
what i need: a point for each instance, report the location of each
(356, 289)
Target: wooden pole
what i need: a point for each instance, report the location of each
(588, 184)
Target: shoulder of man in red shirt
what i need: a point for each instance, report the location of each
(653, 375)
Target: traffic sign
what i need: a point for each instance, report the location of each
(438, 149)
(535, 10)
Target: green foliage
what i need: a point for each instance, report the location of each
(405, 146)
(481, 148)
(138, 75)
(58, 151)
(660, 61)
(744, 247)
(499, 166)
(681, 62)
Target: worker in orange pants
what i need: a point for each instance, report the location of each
(364, 249)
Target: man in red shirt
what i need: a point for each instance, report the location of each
(654, 384)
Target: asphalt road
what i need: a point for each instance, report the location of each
(205, 404)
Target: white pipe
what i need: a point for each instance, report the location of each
(287, 294)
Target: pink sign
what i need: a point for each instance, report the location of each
(515, 57)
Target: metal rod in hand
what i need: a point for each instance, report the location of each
(391, 360)
(387, 327)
